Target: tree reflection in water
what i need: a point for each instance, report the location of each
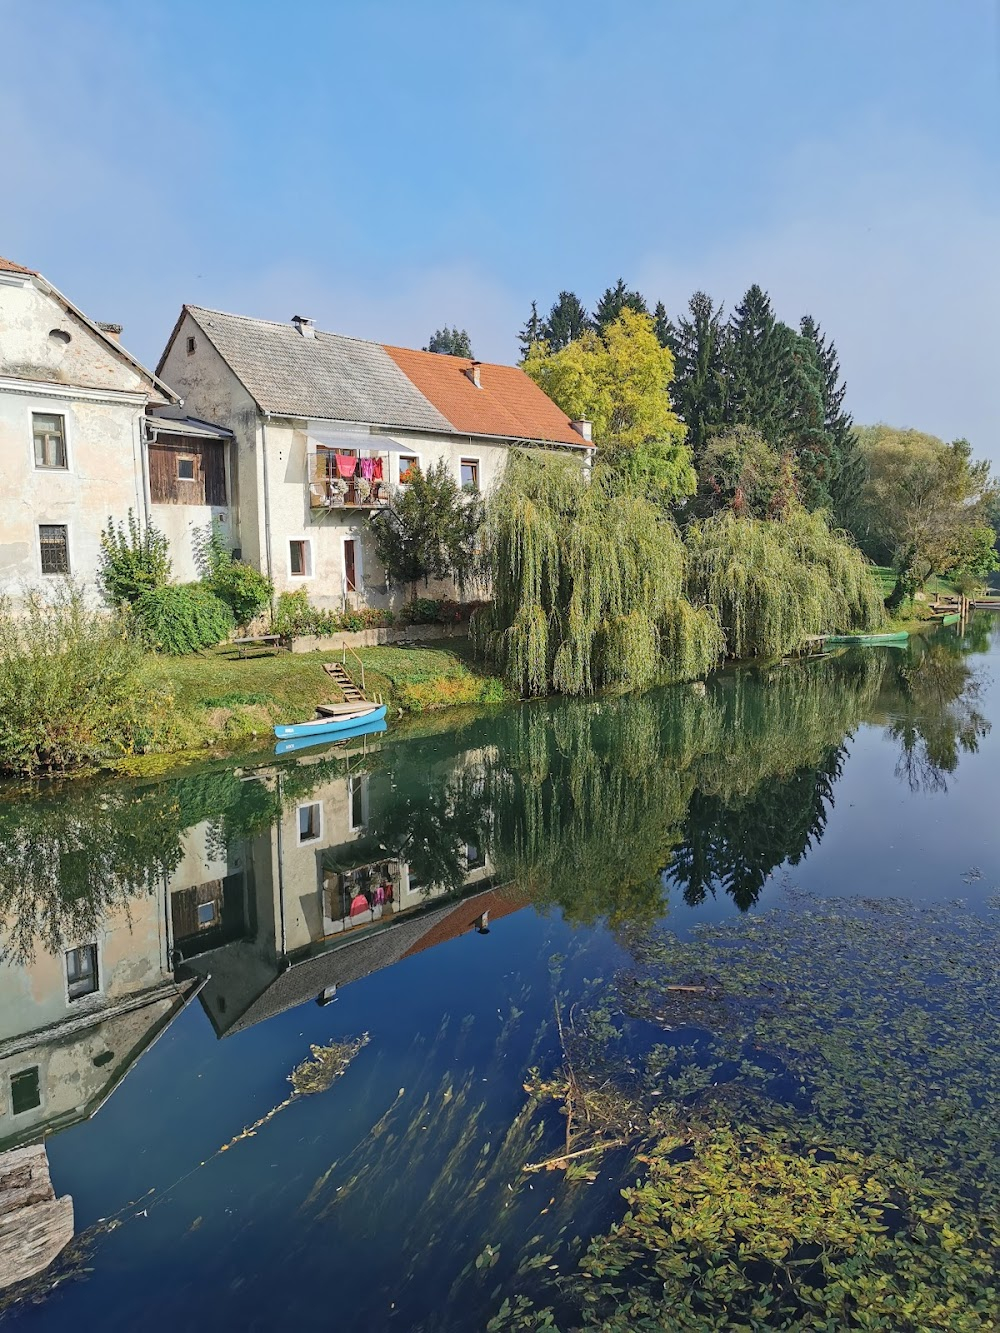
(594, 806)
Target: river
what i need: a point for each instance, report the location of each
(293, 1030)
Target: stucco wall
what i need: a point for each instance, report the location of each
(211, 391)
(103, 477)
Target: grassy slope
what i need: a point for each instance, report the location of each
(223, 701)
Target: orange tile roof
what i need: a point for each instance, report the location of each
(8, 266)
(509, 404)
(464, 915)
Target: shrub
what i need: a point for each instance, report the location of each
(133, 560)
(245, 590)
(183, 618)
(73, 686)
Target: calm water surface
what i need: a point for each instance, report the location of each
(441, 914)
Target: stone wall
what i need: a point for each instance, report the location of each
(372, 638)
(35, 1226)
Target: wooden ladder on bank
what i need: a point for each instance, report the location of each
(352, 693)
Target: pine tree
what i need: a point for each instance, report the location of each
(533, 331)
(848, 461)
(699, 391)
(614, 301)
(663, 326)
(567, 319)
(804, 426)
(757, 366)
(451, 342)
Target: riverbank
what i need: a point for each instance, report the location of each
(219, 702)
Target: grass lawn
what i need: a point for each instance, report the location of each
(223, 701)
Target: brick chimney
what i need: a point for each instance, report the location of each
(583, 428)
(114, 331)
(304, 326)
(473, 373)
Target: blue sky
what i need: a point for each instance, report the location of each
(389, 166)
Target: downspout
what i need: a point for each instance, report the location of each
(142, 432)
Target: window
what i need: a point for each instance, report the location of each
(25, 1091)
(191, 346)
(470, 474)
(310, 822)
(81, 971)
(356, 799)
(474, 858)
(407, 464)
(185, 468)
(208, 914)
(50, 440)
(300, 557)
(54, 543)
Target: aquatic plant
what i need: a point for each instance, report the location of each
(776, 583)
(587, 583)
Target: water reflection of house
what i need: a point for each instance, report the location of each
(314, 903)
(73, 1022)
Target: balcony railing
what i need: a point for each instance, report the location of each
(329, 490)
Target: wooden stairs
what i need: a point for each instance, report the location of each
(352, 694)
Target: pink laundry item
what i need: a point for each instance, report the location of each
(346, 463)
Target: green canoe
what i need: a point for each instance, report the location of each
(952, 618)
(847, 640)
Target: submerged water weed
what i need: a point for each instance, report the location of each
(814, 1141)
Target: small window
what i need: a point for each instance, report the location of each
(60, 336)
(185, 468)
(54, 543)
(470, 474)
(300, 558)
(50, 440)
(407, 463)
(192, 346)
(25, 1091)
(81, 971)
(208, 914)
(474, 857)
(310, 822)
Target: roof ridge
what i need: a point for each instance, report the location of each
(280, 324)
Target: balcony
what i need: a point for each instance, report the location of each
(330, 488)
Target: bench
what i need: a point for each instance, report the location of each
(272, 641)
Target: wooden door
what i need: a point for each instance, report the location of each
(350, 565)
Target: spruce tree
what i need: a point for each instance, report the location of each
(699, 390)
(663, 326)
(451, 342)
(533, 331)
(614, 301)
(848, 461)
(804, 430)
(567, 319)
(757, 367)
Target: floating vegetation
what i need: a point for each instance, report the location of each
(327, 1064)
(810, 1098)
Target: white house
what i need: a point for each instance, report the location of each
(73, 404)
(324, 427)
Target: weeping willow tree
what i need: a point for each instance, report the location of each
(588, 585)
(776, 583)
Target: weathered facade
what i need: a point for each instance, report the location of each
(325, 429)
(73, 404)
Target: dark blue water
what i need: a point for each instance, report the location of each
(524, 852)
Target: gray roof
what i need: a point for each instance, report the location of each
(190, 426)
(327, 377)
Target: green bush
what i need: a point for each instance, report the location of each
(73, 686)
(133, 560)
(245, 590)
(183, 618)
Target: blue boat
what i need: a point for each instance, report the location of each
(307, 742)
(330, 726)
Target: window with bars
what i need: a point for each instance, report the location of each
(50, 439)
(81, 971)
(53, 540)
